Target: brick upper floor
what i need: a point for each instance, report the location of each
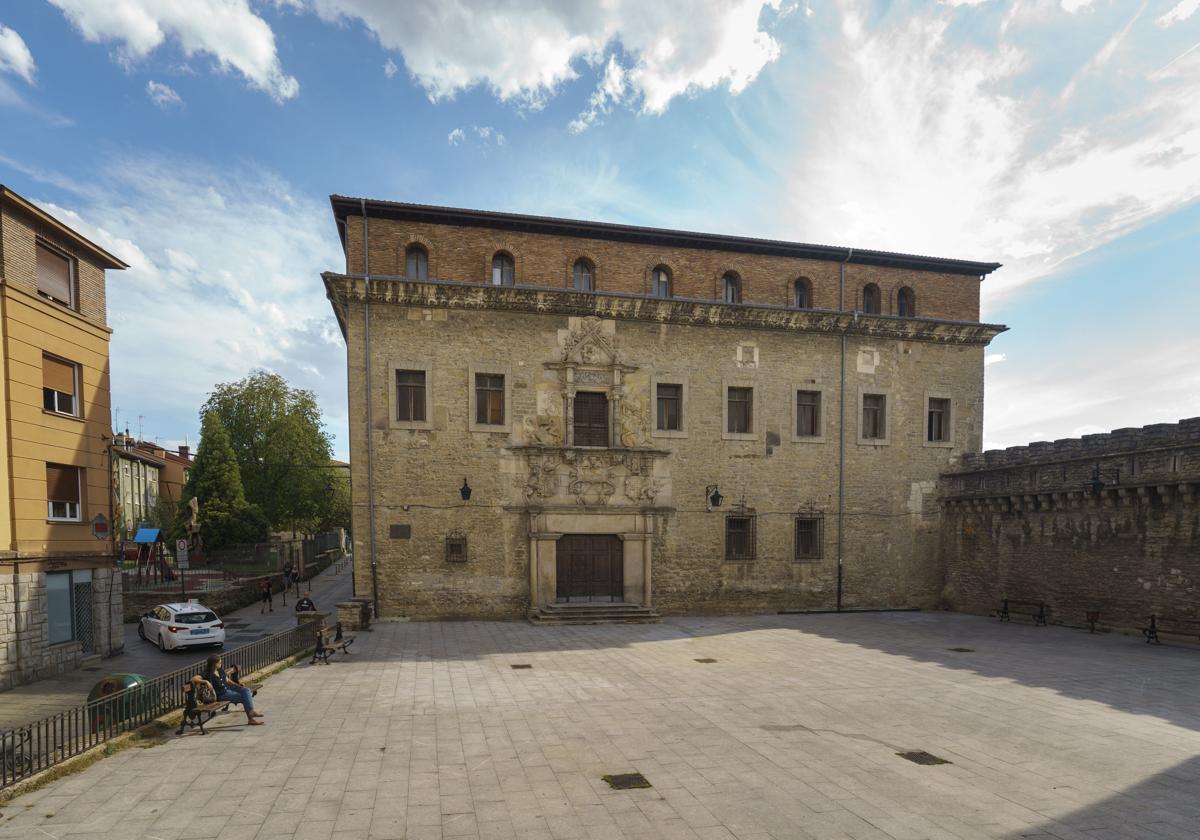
(423, 242)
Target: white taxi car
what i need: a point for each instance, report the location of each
(172, 626)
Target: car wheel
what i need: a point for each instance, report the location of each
(162, 645)
(141, 631)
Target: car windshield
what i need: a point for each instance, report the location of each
(195, 618)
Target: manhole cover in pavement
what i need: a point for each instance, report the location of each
(520, 667)
(922, 757)
(627, 781)
(706, 661)
(962, 650)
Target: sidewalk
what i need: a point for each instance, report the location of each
(27, 703)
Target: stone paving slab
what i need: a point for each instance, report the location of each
(426, 731)
(33, 701)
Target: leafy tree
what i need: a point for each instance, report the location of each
(336, 512)
(226, 518)
(281, 448)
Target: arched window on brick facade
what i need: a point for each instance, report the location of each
(802, 294)
(583, 275)
(906, 303)
(503, 273)
(870, 299)
(416, 263)
(731, 288)
(660, 282)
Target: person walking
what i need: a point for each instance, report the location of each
(267, 602)
(227, 689)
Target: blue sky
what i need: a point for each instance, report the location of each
(199, 140)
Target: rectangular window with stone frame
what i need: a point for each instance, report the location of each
(489, 399)
(739, 538)
(410, 396)
(808, 414)
(938, 425)
(809, 528)
(874, 416)
(670, 407)
(740, 411)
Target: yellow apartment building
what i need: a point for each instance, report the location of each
(60, 599)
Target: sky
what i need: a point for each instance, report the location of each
(199, 140)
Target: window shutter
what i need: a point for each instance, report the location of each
(58, 375)
(53, 274)
(62, 483)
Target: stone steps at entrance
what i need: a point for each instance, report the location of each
(594, 613)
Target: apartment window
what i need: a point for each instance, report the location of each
(739, 538)
(503, 273)
(938, 426)
(416, 263)
(591, 419)
(660, 282)
(808, 414)
(740, 419)
(489, 399)
(60, 384)
(410, 396)
(55, 275)
(906, 303)
(808, 537)
(670, 407)
(802, 294)
(874, 416)
(583, 276)
(62, 493)
(731, 288)
(870, 299)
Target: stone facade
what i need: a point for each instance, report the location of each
(1029, 522)
(532, 484)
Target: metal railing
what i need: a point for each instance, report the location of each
(37, 746)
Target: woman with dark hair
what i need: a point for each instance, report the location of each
(230, 690)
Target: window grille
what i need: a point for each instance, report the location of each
(456, 547)
(739, 537)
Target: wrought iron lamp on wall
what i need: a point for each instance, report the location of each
(712, 497)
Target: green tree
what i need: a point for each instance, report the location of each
(281, 448)
(226, 518)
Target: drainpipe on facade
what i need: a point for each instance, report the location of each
(842, 427)
(367, 386)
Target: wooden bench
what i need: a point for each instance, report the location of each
(197, 714)
(1174, 626)
(1034, 609)
(326, 647)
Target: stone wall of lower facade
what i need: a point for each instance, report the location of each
(26, 653)
(1107, 523)
(530, 484)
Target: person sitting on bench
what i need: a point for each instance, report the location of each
(228, 689)
(306, 604)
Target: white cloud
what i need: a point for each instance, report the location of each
(1182, 12)
(456, 137)
(994, 358)
(227, 30)
(15, 56)
(228, 260)
(164, 96)
(611, 91)
(389, 68)
(932, 144)
(487, 134)
(1073, 6)
(523, 50)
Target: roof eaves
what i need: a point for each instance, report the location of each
(106, 259)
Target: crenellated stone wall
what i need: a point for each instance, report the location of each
(1105, 522)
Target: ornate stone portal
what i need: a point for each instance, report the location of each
(621, 489)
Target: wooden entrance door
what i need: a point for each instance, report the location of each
(591, 567)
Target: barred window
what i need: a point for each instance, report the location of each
(456, 547)
(809, 533)
(410, 395)
(739, 538)
(591, 419)
(808, 414)
(741, 411)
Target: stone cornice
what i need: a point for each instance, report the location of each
(342, 289)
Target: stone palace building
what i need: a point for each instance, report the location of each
(555, 417)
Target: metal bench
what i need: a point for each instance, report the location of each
(326, 648)
(1173, 626)
(1034, 609)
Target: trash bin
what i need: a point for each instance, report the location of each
(133, 698)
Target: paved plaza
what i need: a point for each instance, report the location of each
(427, 731)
